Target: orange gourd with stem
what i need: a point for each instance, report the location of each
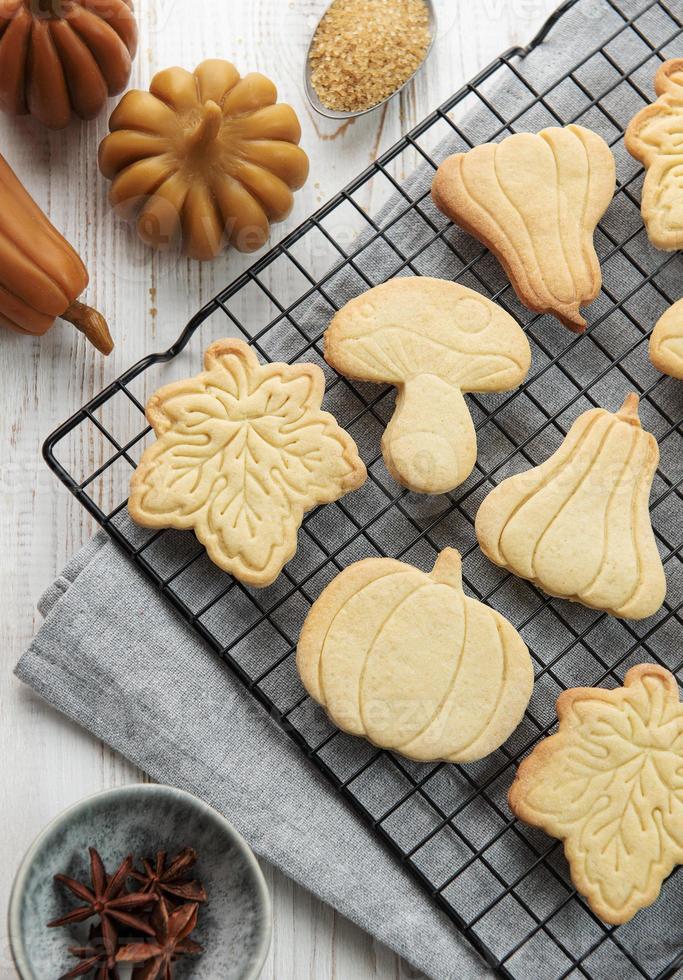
(41, 275)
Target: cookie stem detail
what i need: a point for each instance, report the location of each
(448, 569)
(629, 410)
(430, 451)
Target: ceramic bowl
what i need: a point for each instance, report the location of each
(234, 926)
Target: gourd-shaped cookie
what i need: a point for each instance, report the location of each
(666, 342)
(610, 785)
(579, 524)
(655, 137)
(413, 664)
(535, 202)
(434, 340)
(242, 451)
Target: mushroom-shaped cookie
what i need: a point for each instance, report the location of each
(433, 340)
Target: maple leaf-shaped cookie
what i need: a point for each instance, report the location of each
(610, 785)
(242, 451)
(655, 137)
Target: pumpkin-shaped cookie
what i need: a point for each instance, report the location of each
(64, 56)
(579, 524)
(410, 662)
(208, 158)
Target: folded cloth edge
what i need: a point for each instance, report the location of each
(309, 841)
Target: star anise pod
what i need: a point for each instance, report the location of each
(106, 899)
(97, 955)
(170, 880)
(154, 959)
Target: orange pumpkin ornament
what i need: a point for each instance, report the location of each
(207, 158)
(41, 276)
(64, 56)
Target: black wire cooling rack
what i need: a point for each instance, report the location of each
(506, 886)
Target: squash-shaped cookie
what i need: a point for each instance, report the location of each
(666, 342)
(655, 137)
(579, 525)
(434, 340)
(242, 451)
(535, 202)
(610, 785)
(413, 664)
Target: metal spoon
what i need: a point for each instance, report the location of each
(314, 99)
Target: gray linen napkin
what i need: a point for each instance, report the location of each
(116, 658)
(164, 700)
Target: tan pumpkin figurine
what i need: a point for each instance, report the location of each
(207, 158)
(59, 57)
(41, 276)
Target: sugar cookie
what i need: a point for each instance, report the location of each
(610, 785)
(242, 451)
(410, 662)
(434, 340)
(666, 342)
(535, 201)
(655, 137)
(579, 525)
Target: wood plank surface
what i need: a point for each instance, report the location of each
(47, 762)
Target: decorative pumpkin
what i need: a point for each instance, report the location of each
(579, 525)
(41, 276)
(434, 340)
(209, 158)
(535, 201)
(655, 138)
(666, 342)
(64, 56)
(412, 663)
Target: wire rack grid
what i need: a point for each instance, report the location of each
(504, 885)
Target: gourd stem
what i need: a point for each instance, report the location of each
(208, 127)
(92, 324)
(572, 318)
(448, 568)
(629, 410)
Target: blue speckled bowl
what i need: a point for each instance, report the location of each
(234, 926)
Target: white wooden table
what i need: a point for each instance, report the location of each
(47, 762)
